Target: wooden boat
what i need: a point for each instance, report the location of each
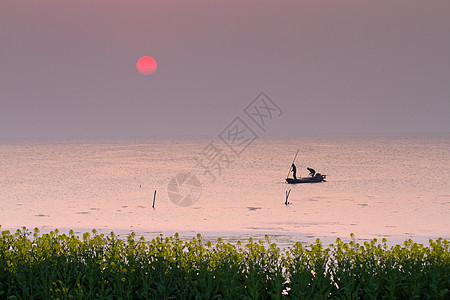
(317, 178)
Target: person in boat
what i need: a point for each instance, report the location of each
(311, 171)
(294, 171)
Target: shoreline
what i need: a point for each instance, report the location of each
(282, 239)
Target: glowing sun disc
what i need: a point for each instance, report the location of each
(146, 65)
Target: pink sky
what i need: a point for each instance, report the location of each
(67, 68)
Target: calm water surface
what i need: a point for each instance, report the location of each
(393, 187)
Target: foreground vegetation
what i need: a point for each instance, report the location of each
(105, 267)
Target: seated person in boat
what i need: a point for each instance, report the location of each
(311, 171)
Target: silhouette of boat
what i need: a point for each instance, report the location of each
(317, 178)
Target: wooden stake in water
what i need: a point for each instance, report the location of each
(154, 197)
(287, 196)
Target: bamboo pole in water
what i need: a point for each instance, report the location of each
(287, 196)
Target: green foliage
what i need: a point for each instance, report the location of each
(98, 266)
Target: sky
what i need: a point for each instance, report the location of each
(68, 68)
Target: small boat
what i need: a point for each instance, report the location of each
(317, 178)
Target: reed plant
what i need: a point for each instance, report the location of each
(98, 266)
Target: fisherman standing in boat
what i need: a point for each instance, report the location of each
(294, 171)
(311, 171)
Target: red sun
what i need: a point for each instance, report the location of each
(146, 65)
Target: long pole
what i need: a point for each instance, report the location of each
(290, 167)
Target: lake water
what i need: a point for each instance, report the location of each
(393, 187)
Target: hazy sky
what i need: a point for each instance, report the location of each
(67, 68)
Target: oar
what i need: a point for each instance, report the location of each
(290, 167)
